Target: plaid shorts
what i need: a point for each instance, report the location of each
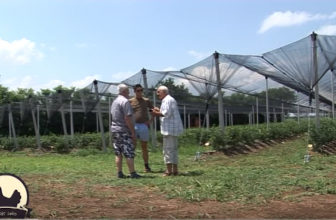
(123, 144)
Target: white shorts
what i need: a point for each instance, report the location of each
(170, 149)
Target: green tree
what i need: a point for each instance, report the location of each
(179, 92)
(5, 95)
(282, 93)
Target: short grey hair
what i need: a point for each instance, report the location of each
(164, 88)
(122, 88)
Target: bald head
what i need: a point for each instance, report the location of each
(164, 89)
(123, 90)
(162, 92)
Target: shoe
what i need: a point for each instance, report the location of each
(147, 170)
(167, 174)
(121, 175)
(135, 175)
(175, 173)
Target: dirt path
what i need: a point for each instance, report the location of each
(116, 202)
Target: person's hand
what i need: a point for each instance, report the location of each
(156, 111)
(153, 113)
(134, 140)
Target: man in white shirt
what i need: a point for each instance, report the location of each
(171, 128)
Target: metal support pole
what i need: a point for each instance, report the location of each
(274, 115)
(253, 120)
(97, 123)
(257, 105)
(298, 108)
(38, 118)
(282, 113)
(317, 99)
(100, 116)
(208, 120)
(225, 120)
(37, 133)
(110, 123)
(60, 99)
(267, 113)
(144, 75)
(11, 123)
(71, 118)
(185, 117)
(332, 92)
(199, 119)
(220, 94)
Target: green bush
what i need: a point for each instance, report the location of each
(325, 134)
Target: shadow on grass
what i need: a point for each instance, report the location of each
(192, 173)
(142, 177)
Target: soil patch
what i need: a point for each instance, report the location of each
(60, 201)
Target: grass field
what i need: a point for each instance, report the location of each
(274, 173)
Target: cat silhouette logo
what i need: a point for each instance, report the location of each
(14, 197)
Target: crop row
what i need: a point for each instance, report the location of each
(231, 136)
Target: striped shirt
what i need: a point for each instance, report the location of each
(171, 123)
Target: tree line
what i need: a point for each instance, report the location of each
(87, 122)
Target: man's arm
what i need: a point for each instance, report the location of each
(152, 116)
(129, 121)
(167, 109)
(130, 124)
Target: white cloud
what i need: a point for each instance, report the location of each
(170, 69)
(52, 84)
(32, 82)
(19, 52)
(81, 45)
(84, 82)
(288, 18)
(118, 77)
(327, 30)
(22, 82)
(198, 55)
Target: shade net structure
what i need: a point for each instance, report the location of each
(296, 78)
(196, 86)
(92, 94)
(299, 65)
(300, 68)
(55, 101)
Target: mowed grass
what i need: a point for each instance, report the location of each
(273, 173)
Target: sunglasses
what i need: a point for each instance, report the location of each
(139, 90)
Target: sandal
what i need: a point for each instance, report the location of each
(175, 173)
(148, 170)
(166, 174)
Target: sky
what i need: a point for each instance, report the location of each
(47, 43)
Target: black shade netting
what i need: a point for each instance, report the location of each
(55, 101)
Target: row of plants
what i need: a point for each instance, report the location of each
(324, 134)
(242, 134)
(231, 136)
